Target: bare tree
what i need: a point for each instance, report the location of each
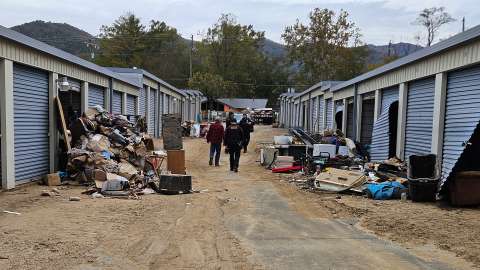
(432, 19)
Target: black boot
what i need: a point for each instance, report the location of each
(210, 162)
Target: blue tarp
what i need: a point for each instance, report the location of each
(385, 190)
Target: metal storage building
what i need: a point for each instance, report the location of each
(30, 75)
(156, 97)
(437, 92)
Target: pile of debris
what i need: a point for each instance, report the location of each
(110, 154)
(330, 162)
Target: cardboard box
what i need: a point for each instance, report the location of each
(53, 179)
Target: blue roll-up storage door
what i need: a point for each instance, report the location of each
(462, 115)
(419, 122)
(380, 136)
(132, 107)
(329, 113)
(96, 96)
(153, 112)
(117, 102)
(142, 101)
(350, 126)
(31, 125)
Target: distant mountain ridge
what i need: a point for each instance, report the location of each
(74, 40)
(60, 35)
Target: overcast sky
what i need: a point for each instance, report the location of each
(379, 21)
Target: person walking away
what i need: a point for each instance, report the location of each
(247, 127)
(215, 137)
(229, 119)
(233, 140)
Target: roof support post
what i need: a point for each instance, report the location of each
(52, 118)
(402, 119)
(378, 105)
(147, 105)
(109, 97)
(358, 123)
(124, 103)
(84, 97)
(137, 104)
(7, 124)
(439, 114)
(344, 116)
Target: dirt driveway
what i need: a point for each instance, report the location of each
(249, 220)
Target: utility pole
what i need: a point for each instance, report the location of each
(463, 24)
(191, 52)
(92, 47)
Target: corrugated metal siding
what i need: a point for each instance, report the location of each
(381, 127)
(123, 87)
(116, 102)
(96, 95)
(153, 112)
(453, 58)
(160, 110)
(21, 54)
(132, 107)
(31, 99)
(368, 108)
(321, 112)
(462, 115)
(329, 114)
(350, 126)
(419, 121)
(315, 114)
(142, 101)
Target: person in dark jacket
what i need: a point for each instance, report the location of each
(247, 126)
(234, 140)
(215, 137)
(229, 120)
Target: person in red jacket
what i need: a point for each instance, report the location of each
(215, 137)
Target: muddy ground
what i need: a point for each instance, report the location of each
(218, 228)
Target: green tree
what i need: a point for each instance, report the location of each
(157, 48)
(122, 44)
(165, 53)
(231, 50)
(213, 86)
(328, 48)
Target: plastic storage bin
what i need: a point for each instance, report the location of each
(423, 176)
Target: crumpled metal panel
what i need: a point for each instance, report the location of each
(380, 134)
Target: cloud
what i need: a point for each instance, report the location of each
(379, 20)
